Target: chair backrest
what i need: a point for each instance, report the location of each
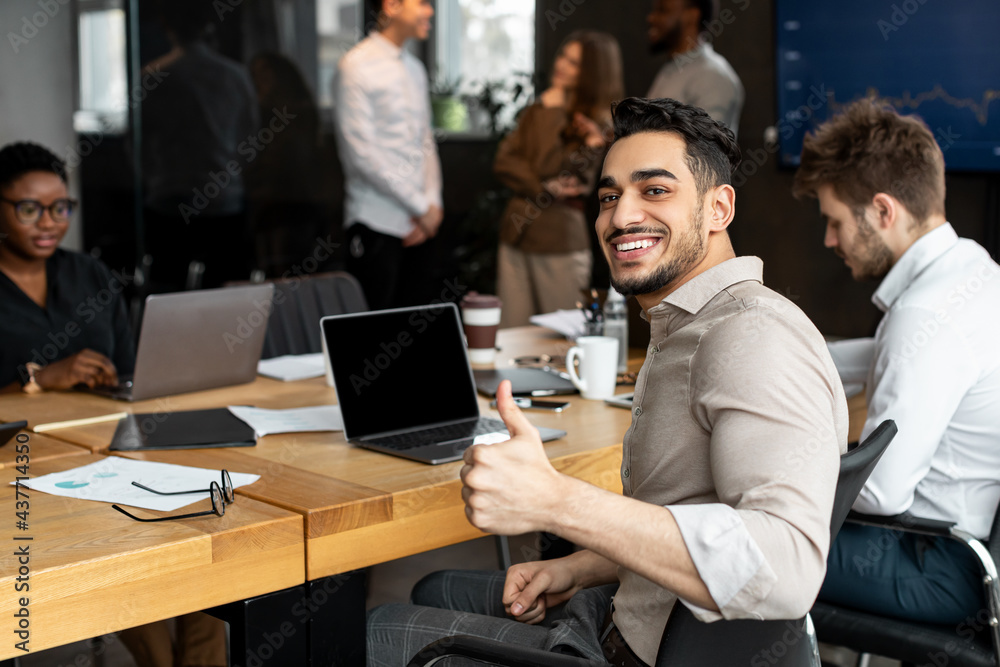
(299, 303)
(788, 643)
(994, 543)
(855, 467)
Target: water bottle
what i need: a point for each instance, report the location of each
(616, 325)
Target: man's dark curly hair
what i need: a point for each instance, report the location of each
(712, 152)
(18, 159)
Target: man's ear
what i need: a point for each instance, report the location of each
(721, 202)
(390, 8)
(887, 210)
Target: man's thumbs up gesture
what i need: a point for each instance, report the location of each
(510, 487)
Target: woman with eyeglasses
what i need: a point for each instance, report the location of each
(62, 315)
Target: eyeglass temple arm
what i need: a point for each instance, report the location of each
(170, 493)
(165, 518)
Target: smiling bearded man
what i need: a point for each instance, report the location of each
(728, 469)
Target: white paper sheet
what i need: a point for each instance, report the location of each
(110, 480)
(292, 367)
(569, 323)
(293, 420)
(852, 357)
(490, 438)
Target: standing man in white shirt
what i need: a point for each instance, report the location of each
(695, 73)
(933, 366)
(390, 159)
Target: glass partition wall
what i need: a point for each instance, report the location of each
(205, 144)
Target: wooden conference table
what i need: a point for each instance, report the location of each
(321, 510)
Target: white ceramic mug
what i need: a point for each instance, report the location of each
(598, 357)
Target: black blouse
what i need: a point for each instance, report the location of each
(84, 309)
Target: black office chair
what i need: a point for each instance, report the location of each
(686, 641)
(975, 643)
(299, 303)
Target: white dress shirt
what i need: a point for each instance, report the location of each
(384, 137)
(935, 369)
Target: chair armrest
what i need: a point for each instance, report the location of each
(905, 522)
(490, 651)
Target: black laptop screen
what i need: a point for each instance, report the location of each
(399, 369)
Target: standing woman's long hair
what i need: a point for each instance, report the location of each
(600, 80)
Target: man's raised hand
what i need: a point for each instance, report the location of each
(510, 488)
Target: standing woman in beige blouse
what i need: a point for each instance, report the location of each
(550, 161)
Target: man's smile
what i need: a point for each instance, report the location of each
(632, 246)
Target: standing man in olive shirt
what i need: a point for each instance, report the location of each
(729, 467)
(695, 74)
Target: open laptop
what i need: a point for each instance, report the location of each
(404, 383)
(197, 340)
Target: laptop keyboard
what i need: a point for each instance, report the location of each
(439, 434)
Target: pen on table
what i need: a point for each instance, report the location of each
(114, 416)
(597, 315)
(593, 316)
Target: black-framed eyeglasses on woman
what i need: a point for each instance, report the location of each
(221, 496)
(29, 211)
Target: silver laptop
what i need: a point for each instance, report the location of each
(197, 340)
(405, 385)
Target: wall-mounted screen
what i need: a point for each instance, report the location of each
(940, 60)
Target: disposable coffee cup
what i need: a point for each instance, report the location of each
(480, 319)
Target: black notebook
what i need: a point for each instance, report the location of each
(182, 430)
(8, 431)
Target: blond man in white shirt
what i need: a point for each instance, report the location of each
(390, 159)
(933, 365)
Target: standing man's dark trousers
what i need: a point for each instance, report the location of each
(392, 276)
(902, 575)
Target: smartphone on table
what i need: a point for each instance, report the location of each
(530, 403)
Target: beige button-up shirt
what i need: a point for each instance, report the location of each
(738, 423)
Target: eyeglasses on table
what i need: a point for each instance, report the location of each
(221, 495)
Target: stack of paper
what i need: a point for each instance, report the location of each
(293, 420)
(292, 367)
(569, 323)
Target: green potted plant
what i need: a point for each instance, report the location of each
(447, 107)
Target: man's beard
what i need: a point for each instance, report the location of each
(873, 258)
(688, 250)
(668, 41)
